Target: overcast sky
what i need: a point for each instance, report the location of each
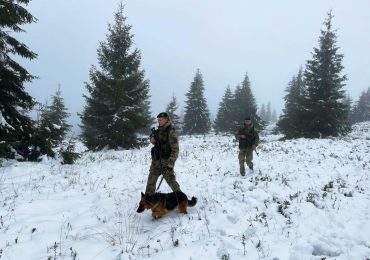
(225, 39)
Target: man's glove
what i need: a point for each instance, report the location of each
(153, 136)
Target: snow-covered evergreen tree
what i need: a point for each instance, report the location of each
(273, 116)
(171, 109)
(268, 112)
(347, 101)
(197, 117)
(245, 105)
(361, 110)
(224, 117)
(290, 122)
(117, 105)
(16, 129)
(51, 128)
(262, 112)
(54, 119)
(324, 112)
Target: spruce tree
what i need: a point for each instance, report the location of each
(171, 109)
(268, 112)
(197, 117)
(68, 152)
(361, 110)
(50, 129)
(53, 125)
(245, 105)
(15, 125)
(324, 112)
(262, 112)
(273, 116)
(117, 105)
(224, 117)
(290, 122)
(348, 104)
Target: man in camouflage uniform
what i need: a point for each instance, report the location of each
(164, 154)
(248, 140)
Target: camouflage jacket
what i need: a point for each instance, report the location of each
(166, 146)
(252, 137)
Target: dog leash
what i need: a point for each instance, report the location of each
(163, 173)
(256, 152)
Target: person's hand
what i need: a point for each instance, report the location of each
(254, 147)
(242, 136)
(152, 140)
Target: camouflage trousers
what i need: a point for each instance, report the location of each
(155, 172)
(245, 156)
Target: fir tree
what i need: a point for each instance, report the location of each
(268, 112)
(171, 109)
(273, 116)
(262, 112)
(324, 112)
(197, 117)
(54, 119)
(52, 127)
(361, 110)
(348, 104)
(68, 153)
(15, 125)
(224, 117)
(245, 105)
(290, 122)
(117, 106)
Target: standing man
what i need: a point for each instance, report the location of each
(248, 140)
(164, 154)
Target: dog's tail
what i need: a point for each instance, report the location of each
(192, 202)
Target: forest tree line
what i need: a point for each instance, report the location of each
(117, 108)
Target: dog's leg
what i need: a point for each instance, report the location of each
(183, 207)
(155, 214)
(159, 211)
(162, 212)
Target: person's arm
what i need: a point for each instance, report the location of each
(239, 135)
(174, 144)
(256, 140)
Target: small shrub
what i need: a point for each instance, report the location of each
(282, 207)
(311, 197)
(68, 153)
(328, 186)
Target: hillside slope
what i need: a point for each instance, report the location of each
(306, 199)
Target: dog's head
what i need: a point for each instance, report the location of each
(143, 204)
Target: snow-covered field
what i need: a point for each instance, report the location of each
(306, 199)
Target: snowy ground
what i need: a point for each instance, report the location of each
(306, 199)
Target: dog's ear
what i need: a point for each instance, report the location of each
(142, 194)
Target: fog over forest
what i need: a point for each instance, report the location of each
(269, 40)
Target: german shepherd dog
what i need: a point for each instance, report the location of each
(162, 203)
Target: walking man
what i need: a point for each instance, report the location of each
(248, 140)
(164, 154)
